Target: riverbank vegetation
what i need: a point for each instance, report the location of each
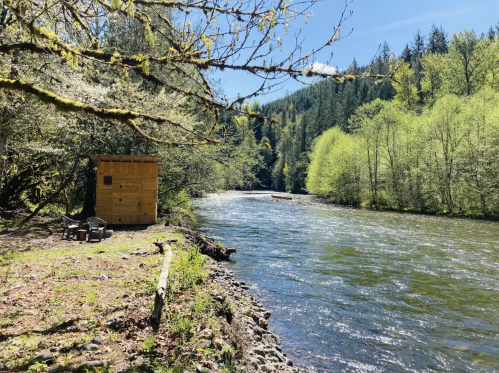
(428, 148)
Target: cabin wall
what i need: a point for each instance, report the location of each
(132, 196)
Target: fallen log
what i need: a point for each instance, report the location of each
(207, 245)
(282, 197)
(159, 299)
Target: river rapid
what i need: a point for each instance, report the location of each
(363, 291)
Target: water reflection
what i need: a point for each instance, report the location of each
(362, 291)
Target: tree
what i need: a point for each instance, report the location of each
(437, 41)
(407, 93)
(467, 65)
(491, 34)
(171, 53)
(417, 49)
(407, 54)
(432, 84)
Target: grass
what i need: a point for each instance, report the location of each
(68, 304)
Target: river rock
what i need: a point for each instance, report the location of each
(89, 347)
(259, 350)
(46, 356)
(271, 338)
(88, 365)
(63, 368)
(254, 363)
(97, 340)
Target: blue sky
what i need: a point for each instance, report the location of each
(373, 21)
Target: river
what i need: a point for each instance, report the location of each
(363, 291)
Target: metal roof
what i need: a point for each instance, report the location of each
(128, 158)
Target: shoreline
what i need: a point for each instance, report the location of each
(315, 200)
(259, 349)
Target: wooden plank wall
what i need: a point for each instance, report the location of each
(133, 196)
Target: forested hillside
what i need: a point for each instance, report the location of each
(432, 148)
(304, 115)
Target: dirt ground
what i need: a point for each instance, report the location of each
(57, 295)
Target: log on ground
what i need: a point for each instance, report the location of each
(207, 245)
(159, 299)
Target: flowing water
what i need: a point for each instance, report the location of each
(362, 291)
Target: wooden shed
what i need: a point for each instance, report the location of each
(127, 188)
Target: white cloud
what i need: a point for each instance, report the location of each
(323, 68)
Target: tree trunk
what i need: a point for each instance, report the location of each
(55, 194)
(89, 203)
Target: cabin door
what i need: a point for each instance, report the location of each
(127, 209)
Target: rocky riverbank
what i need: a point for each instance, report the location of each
(69, 305)
(258, 349)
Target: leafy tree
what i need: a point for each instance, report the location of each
(467, 65)
(407, 93)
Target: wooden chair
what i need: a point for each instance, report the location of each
(94, 228)
(70, 227)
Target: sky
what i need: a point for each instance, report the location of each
(373, 22)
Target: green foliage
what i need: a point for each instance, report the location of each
(187, 271)
(424, 73)
(407, 92)
(229, 365)
(438, 161)
(182, 326)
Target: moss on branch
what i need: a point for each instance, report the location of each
(124, 116)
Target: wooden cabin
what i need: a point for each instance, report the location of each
(127, 188)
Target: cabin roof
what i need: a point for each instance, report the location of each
(128, 158)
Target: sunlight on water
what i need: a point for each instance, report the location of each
(362, 291)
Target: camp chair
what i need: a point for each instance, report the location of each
(94, 228)
(70, 227)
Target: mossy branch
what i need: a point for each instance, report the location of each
(124, 116)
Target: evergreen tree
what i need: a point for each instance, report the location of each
(437, 41)
(407, 54)
(491, 34)
(417, 49)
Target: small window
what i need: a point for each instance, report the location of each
(108, 180)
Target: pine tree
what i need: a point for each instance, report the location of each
(437, 41)
(491, 34)
(418, 48)
(407, 55)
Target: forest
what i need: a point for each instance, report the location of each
(425, 142)
(135, 78)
